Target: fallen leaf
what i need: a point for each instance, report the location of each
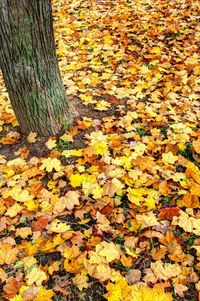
(8, 254)
(36, 276)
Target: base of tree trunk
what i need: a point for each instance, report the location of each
(30, 67)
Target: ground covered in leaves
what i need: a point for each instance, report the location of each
(110, 210)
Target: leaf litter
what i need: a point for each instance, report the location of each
(110, 209)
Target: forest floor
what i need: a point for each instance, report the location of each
(109, 210)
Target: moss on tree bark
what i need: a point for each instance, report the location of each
(30, 68)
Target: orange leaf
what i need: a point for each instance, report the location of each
(40, 224)
(168, 213)
(8, 254)
(11, 288)
(163, 188)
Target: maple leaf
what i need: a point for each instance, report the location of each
(13, 210)
(19, 195)
(147, 294)
(36, 276)
(160, 271)
(148, 220)
(72, 199)
(188, 223)
(168, 213)
(51, 163)
(28, 262)
(51, 143)
(40, 224)
(72, 152)
(180, 289)
(8, 254)
(81, 281)
(31, 138)
(23, 232)
(44, 294)
(118, 291)
(11, 287)
(76, 180)
(3, 275)
(58, 226)
(196, 145)
(121, 291)
(109, 251)
(169, 158)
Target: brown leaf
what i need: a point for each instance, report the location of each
(107, 210)
(133, 276)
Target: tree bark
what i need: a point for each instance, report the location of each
(30, 68)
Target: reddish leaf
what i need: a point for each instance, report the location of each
(40, 224)
(107, 210)
(169, 213)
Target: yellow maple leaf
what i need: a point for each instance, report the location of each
(76, 180)
(107, 251)
(188, 223)
(148, 294)
(100, 147)
(44, 294)
(36, 276)
(31, 205)
(96, 190)
(121, 291)
(16, 162)
(87, 98)
(59, 227)
(102, 105)
(146, 221)
(132, 69)
(108, 39)
(14, 210)
(72, 152)
(51, 163)
(139, 195)
(169, 158)
(18, 194)
(156, 50)
(51, 143)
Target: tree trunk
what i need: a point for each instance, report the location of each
(30, 68)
